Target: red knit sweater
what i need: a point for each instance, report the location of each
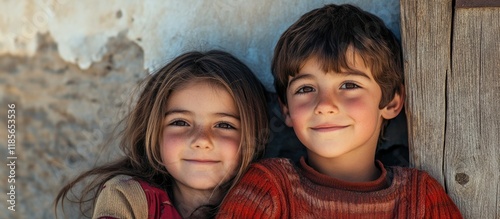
(275, 188)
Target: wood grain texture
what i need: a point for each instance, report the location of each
(476, 3)
(426, 41)
(472, 153)
(453, 99)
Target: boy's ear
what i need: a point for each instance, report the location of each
(393, 108)
(286, 113)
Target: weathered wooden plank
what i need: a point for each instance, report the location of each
(472, 153)
(490, 104)
(426, 40)
(476, 3)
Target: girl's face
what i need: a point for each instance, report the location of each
(201, 135)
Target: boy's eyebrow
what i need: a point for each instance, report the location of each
(298, 77)
(349, 72)
(356, 72)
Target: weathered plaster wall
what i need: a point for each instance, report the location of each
(162, 29)
(71, 68)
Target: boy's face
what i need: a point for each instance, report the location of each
(336, 114)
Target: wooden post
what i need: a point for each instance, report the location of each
(426, 41)
(452, 75)
(473, 118)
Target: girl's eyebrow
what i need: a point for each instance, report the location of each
(228, 115)
(181, 111)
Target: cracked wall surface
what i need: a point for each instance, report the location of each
(71, 68)
(163, 29)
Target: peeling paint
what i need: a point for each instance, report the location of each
(163, 29)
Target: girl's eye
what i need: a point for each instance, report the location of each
(179, 123)
(224, 125)
(304, 90)
(349, 85)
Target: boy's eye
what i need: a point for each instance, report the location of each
(224, 126)
(349, 86)
(179, 123)
(305, 89)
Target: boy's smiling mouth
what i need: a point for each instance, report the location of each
(328, 127)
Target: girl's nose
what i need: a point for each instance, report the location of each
(326, 104)
(202, 139)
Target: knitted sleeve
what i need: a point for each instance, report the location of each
(438, 203)
(257, 195)
(121, 197)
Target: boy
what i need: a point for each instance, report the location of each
(338, 76)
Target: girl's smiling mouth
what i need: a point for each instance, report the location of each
(201, 161)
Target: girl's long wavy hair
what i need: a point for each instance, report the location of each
(140, 137)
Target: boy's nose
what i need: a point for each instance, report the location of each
(202, 139)
(326, 104)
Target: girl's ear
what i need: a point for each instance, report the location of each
(286, 113)
(394, 107)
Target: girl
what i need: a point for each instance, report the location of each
(198, 124)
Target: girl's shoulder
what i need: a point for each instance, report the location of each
(131, 197)
(159, 203)
(129, 184)
(121, 181)
(122, 184)
(121, 197)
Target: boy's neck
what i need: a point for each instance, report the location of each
(349, 167)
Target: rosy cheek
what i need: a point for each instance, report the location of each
(170, 139)
(300, 108)
(354, 102)
(228, 147)
(232, 141)
(358, 104)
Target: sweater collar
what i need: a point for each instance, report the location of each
(380, 183)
